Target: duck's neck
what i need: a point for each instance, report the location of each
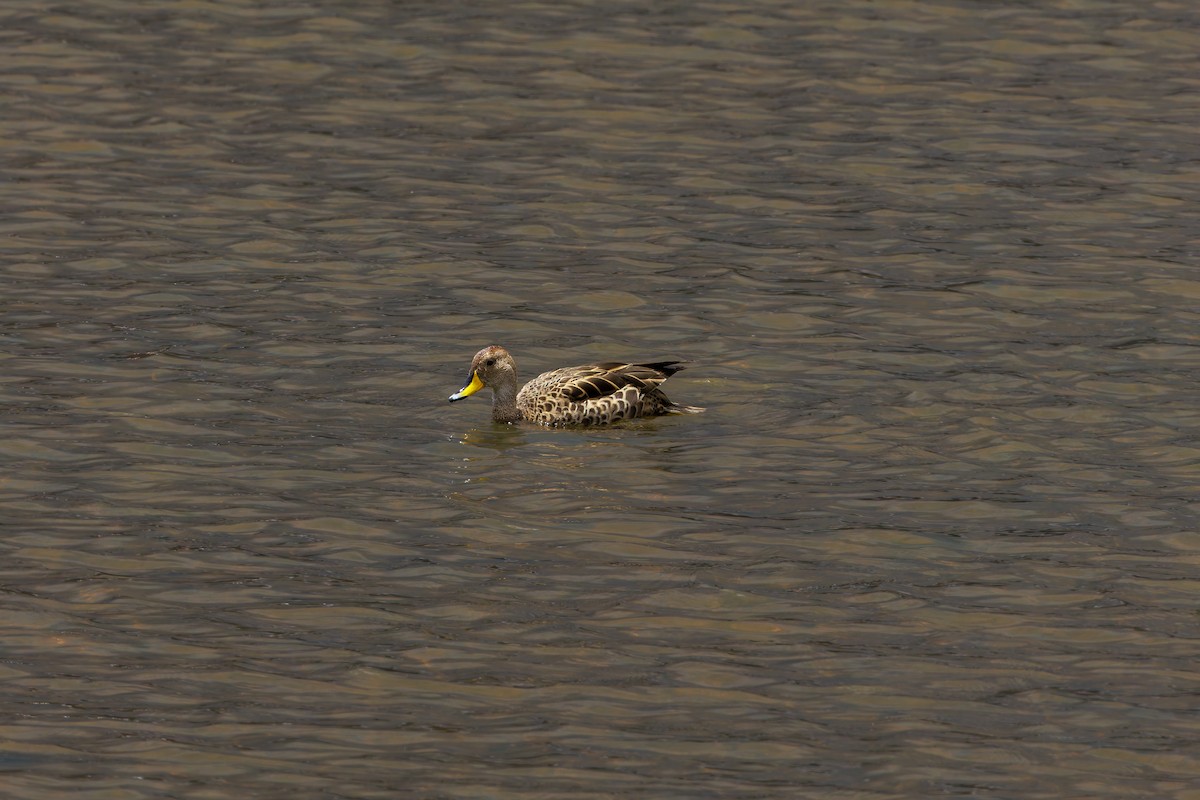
(504, 404)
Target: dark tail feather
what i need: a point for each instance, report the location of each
(667, 368)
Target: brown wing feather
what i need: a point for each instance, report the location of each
(603, 380)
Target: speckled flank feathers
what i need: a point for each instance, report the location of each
(590, 394)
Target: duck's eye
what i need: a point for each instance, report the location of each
(491, 362)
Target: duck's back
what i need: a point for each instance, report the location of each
(597, 394)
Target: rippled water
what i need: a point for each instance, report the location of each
(933, 263)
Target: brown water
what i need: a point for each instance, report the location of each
(934, 263)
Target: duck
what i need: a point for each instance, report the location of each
(589, 394)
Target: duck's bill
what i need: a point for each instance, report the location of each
(473, 386)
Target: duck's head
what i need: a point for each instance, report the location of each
(492, 366)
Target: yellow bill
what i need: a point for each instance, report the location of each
(471, 388)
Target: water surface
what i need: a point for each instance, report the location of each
(933, 264)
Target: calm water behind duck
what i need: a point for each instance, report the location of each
(933, 265)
